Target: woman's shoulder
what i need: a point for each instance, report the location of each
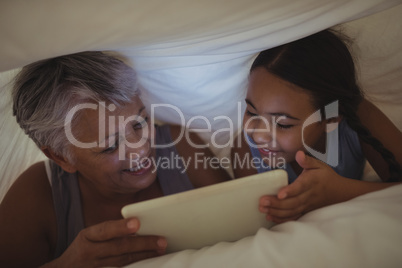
(175, 130)
(203, 167)
(27, 219)
(32, 182)
(31, 193)
(181, 137)
(168, 134)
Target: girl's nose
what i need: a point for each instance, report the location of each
(259, 130)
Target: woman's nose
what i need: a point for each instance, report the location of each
(137, 144)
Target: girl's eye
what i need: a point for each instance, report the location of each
(250, 113)
(112, 148)
(284, 126)
(141, 124)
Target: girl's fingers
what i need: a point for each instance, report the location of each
(294, 189)
(307, 162)
(282, 220)
(289, 203)
(284, 213)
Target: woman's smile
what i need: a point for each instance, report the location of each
(142, 168)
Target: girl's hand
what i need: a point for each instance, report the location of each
(314, 188)
(111, 243)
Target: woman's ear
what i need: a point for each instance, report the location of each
(59, 160)
(333, 123)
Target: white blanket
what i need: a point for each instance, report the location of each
(363, 232)
(195, 56)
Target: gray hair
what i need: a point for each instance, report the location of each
(45, 91)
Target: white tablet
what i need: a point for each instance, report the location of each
(226, 211)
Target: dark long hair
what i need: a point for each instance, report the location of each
(322, 64)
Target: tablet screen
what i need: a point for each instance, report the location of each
(226, 211)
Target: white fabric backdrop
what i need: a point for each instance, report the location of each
(38, 29)
(195, 55)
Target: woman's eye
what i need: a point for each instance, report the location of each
(111, 148)
(141, 124)
(250, 113)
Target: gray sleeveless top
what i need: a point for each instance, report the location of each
(66, 193)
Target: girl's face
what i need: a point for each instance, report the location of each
(274, 117)
(121, 162)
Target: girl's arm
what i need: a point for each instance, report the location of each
(318, 185)
(386, 132)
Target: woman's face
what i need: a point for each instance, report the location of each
(274, 117)
(121, 160)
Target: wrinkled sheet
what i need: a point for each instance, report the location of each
(195, 56)
(363, 232)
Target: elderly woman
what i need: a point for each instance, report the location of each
(84, 113)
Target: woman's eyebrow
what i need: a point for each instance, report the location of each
(117, 132)
(273, 114)
(140, 111)
(105, 142)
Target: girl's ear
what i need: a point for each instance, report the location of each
(59, 160)
(333, 123)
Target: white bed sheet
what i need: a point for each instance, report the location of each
(195, 55)
(363, 232)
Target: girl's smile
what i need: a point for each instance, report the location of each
(276, 111)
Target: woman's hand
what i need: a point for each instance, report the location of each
(111, 243)
(314, 188)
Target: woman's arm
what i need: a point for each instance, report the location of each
(28, 232)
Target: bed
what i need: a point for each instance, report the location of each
(194, 56)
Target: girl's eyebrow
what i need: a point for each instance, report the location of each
(273, 114)
(250, 103)
(285, 115)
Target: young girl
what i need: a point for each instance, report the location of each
(303, 106)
